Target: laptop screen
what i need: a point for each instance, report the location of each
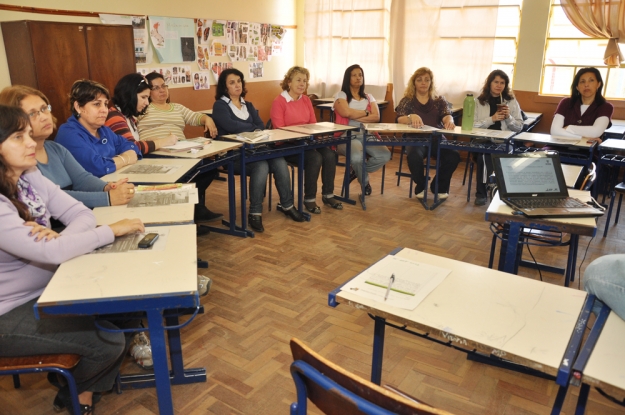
(523, 175)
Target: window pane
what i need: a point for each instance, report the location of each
(504, 50)
(561, 26)
(557, 80)
(508, 21)
(615, 84)
(588, 52)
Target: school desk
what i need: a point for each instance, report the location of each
(182, 171)
(151, 281)
(571, 150)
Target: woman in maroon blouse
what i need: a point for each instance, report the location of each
(422, 106)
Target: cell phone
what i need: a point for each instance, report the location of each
(148, 240)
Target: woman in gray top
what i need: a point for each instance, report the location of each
(55, 162)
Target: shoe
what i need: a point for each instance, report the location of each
(352, 175)
(420, 195)
(256, 222)
(202, 230)
(203, 285)
(202, 214)
(312, 207)
(368, 189)
(62, 401)
(480, 201)
(332, 202)
(56, 381)
(141, 350)
(292, 213)
(443, 196)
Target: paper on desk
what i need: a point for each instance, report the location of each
(413, 282)
(165, 196)
(130, 242)
(150, 169)
(183, 146)
(565, 140)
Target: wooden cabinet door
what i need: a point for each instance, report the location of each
(111, 52)
(60, 56)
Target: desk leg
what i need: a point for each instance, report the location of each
(364, 170)
(557, 405)
(378, 350)
(179, 375)
(569, 275)
(300, 185)
(437, 201)
(511, 248)
(159, 356)
(231, 223)
(348, 162)
(582, 399)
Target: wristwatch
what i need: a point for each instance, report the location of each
(409, 118)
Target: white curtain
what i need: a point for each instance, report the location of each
(340, 33)
(455, 41)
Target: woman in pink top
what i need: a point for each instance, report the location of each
(292, 107)
(30, 252)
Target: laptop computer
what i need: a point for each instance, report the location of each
(533, 183)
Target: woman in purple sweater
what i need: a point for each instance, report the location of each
(29, 255)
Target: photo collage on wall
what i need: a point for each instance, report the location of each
(174, 75)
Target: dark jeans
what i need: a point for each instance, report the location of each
(258, 172)
(318, 160)
(484, 162)
(101, 352)
(448, 162)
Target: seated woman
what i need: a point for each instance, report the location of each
(352, 104)
(586, 113)
(421, 106)
(234, 115)
(55, 162)
(98, 149)
(491, 113)
(29, 255)
(292, 107)
(131, 98)
(162, 119)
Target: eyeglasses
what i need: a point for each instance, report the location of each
(42, 111)
(159, 88)
(143, 81)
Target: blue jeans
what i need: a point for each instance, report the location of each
(378, 157)
(605, 278)
(101, 352)
(258, 172)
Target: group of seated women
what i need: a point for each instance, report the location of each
(42, 180)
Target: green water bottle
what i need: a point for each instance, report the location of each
(468, 112)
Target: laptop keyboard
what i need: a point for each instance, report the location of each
(533, 203)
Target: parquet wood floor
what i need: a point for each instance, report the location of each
(274, 287)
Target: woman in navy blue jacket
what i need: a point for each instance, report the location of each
(233, 115)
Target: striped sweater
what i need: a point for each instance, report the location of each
(117, 122)
(158, 123)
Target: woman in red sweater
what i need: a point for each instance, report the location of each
(292, 107)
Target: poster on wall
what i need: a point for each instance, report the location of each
(219, 28)
(200, 80)
(143, 53)
(203, 29)
(179, 75)
(173, 38)
(218, 67)
(256, 70)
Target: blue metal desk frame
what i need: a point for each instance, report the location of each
(208, 164)
(154, 308)
(564, 371)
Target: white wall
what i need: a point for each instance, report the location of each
(531, 48)
(281, 12)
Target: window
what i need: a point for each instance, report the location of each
(568, 50)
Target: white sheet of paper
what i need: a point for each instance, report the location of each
(413, 281)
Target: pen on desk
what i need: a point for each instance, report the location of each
(388, 288)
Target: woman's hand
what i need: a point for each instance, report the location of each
(126, 226)
(121, 192)
(209, 125)
(594, 140)
(41, 231)
(448, 123)
(170, 140)
(130, 157)
(414, 121)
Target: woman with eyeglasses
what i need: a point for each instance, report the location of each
(130, 100)
(162, 119)
(55, 162)
(95, 146)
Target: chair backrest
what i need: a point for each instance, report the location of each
(590, 178)
(336, 391)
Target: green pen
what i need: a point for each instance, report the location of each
(387, 287)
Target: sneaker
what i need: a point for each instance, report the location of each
(202, 230)
(368, 189)
(443, 196)
(203, 284)
(480, 201)
(420, 195)
(141, 350)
